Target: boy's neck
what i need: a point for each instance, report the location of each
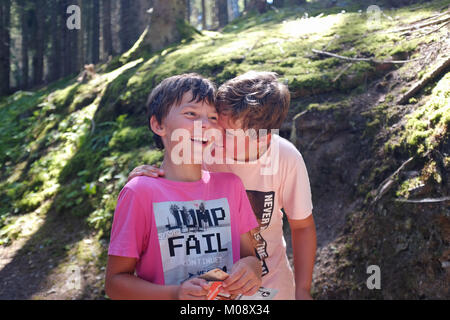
(262, 147)
(181, 172)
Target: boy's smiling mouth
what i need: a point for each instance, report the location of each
(200, 140)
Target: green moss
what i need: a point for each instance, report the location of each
(129, 138)
(428, 124)
(407, 186)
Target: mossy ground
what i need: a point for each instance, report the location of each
(66, 149)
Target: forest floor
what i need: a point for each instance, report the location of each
(345, 119)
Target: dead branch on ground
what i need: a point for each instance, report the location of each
(371, 60)
(437, 71)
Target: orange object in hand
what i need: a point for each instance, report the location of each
(214, 290)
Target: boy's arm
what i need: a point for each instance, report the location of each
(121, 283)
(304, 246)
(245, 277)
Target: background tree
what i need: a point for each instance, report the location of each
(298, 2)
(203, 15)
(38, 43)
(83, 34)
(95, 34)
(129, 30)
(54, 61)
(144, 16)
(235, 11)
(24, 22)
(5, 41)
(166, 23)
(278, 3)
(70, 39)
(222, 6)
(257, 5)
(107, 43)
(188, 11)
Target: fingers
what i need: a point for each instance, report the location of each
(235, 280)
(245, 284)
(194, 289)
(191, 297)
(252, 289)
(146, 170)
(201, 283)
(242, 280)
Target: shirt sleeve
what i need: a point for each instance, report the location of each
(296, 191)
(128, 233)
(247, 220)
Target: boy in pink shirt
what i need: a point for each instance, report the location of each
(168, 231)
(274, 175)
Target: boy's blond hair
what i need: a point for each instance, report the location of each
(257, 99)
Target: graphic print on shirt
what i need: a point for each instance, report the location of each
(194, 237)
(262, 205)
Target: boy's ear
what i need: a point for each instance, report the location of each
(157, 127)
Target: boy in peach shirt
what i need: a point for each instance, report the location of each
(274, 175)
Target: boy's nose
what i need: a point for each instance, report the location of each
(206, 122)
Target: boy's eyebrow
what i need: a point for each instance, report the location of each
(192, 105)
(189, 104)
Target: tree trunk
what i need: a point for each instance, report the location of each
(188, 11)
(143, 18)
(106, 29)
(5, 41)
(83, 35)
(95, 35)
(203, 15)
(257, 5)
(70, 40)
(24, 20)
(165, 22)
(297, 2)
(278, 3)
(38, 57)
(129, 33)
(65, 40)
(234, 9)
(222, 6)
(56, 23)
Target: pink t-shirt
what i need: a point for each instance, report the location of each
(277, 180)
(179, 230)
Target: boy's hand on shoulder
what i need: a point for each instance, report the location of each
(193, 289)
(146, 170)
(245, 277)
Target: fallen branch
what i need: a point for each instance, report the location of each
(426, 200)
(429, 18)
(447, 6)
(372, 60)
(438, 28)
(388, 183)
(420, 26)
(441, 68)
(342, 72)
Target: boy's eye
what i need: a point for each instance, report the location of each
(190, 113)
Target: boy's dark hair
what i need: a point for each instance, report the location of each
(256, 98)
(170, 92)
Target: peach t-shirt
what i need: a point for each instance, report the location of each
(277, 180)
